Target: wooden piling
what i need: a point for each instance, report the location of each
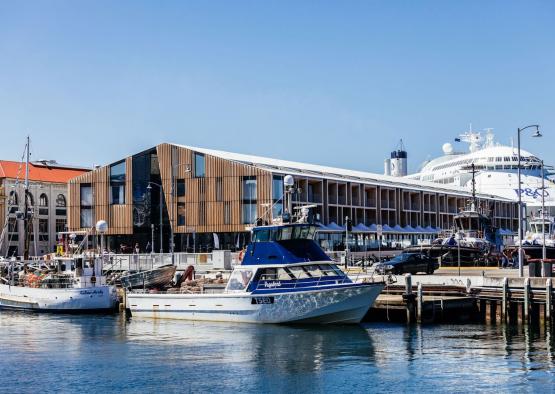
(419, 299)
(409, 298)
(526, 289)
(548, 299)
(504, 301)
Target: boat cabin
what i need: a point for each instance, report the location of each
(262, 279)
(284, 244)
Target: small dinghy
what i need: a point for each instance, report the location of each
(154, 278)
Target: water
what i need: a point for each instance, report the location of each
(108, 353)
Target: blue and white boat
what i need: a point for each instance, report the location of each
(285, 277)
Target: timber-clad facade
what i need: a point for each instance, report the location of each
(209, 198)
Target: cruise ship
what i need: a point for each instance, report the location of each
(496, 167)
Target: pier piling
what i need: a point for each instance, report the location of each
(548, 299)
(504, 300)
(419, 303)
(526, 289)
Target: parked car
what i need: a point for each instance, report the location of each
(408, 263)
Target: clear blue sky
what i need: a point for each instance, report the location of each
(336, 83)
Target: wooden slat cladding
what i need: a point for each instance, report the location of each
(119, 217)
(206, 197)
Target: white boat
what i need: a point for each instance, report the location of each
(61, 285)
(285, 277)
(497, 171)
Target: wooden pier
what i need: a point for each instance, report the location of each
(427, 299)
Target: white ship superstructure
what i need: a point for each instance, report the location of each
(496, 167)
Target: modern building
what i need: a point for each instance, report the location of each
(206, 199)
(47, 202)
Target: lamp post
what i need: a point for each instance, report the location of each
(172, 191)
(520, 262)
(149, 188)
(544, 251)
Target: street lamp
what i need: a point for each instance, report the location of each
(172, 181)
(149, 188)
(520, 262)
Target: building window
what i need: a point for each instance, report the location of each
(227, 212)
(61, 225)
(219, 189)
(86, 214)
(117, 183)
(43, 204)
(13, 200)
(249, 200)
(43, 230)
(199, 165)
(181, 214)
(61, 205)
(12, 225)
(277, 196)
(181, 188)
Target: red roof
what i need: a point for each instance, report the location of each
(14, 169)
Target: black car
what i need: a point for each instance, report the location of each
(408, 263)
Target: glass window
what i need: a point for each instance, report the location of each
(13, 198)
(263, 236)
(277, 187)
(249, 188)
(249, 200)
(181, 214)
(239, 280)
(219, 189)
(180, 188)
(249, 213)
(285, 233)
(86, 218)
(60, 225)
(61, 200)
(43, 200)
(117, 183)
(12, 225)
(86, 195)
(199, 165)
(299, 272)
(43, 229)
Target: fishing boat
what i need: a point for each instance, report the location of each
(541, 232)
(64, 284)
(72, 283)
(155, 278)
(473, 238)
(284, 277)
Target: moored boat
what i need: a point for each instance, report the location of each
(284, 277)
(154, 278)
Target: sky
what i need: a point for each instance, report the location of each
(336, 83)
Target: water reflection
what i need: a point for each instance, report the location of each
(110, 352)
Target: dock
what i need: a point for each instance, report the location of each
(435, 298)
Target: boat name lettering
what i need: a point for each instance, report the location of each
(272, 285)
(89, 292)
(262, 300)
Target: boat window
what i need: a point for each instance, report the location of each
(285, 233)
(328, 270)
(274, 274)
(239, 280)
(263, 236)
(299, 272)
(336, 269)
(311, 232)
(304, 232)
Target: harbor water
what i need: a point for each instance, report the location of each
(51, 353)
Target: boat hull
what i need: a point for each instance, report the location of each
(340, 304)
(158, 277)
(70, 300)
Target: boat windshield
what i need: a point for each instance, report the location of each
(468, 224)
(284, 233)
(537, 228)
(239, 280)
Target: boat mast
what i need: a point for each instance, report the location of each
(28, 225)
(544, 252)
